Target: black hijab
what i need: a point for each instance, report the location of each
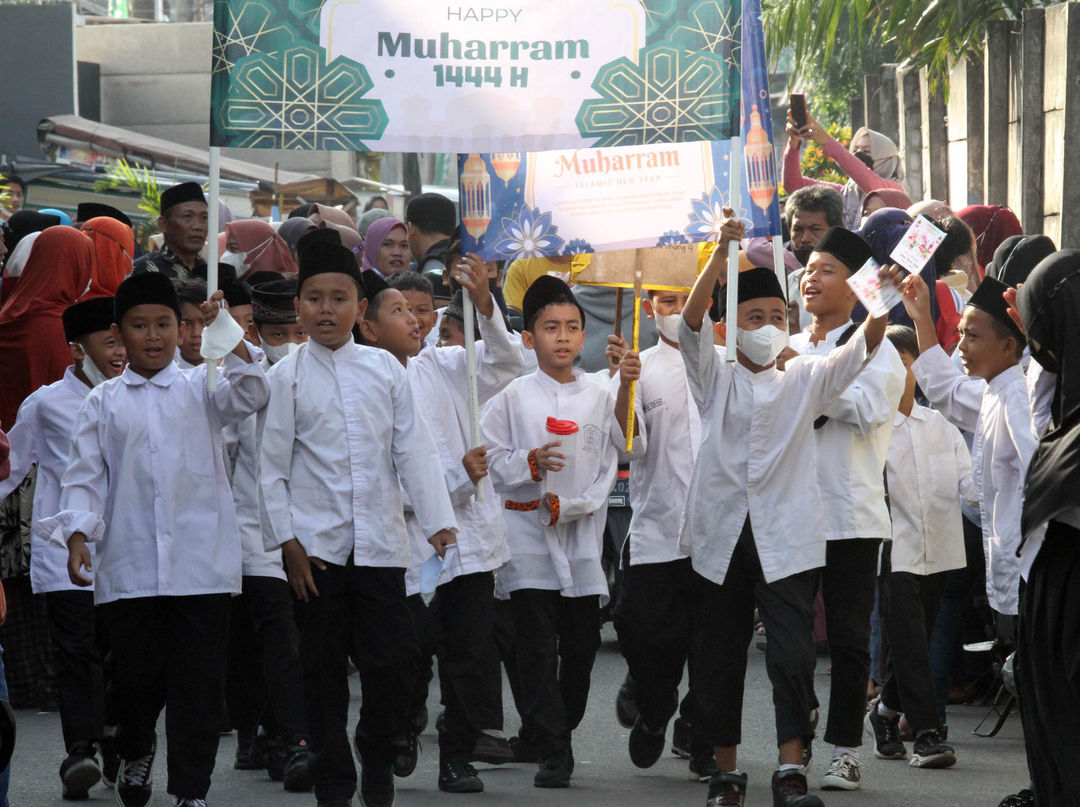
(1049, 304)
(24, 222)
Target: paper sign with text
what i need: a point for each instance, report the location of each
(877, 298)
(918, 245)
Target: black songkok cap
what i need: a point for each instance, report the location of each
(147, 288)
(547, 290)
(263, 276)
(272, 303)
(93, 210)
(184, 192)
(323, 256)
(989, 297)
(754, 283)
(237, 292)
(847, 247)
(432, 212)
(373, 283)
(320, 235)
(1017, 255)
(87, 316)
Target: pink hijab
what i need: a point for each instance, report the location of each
(321, 214)
(376, 234)
(266, 250)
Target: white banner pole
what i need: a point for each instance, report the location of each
(213, 217)
(734, 201)
(470, 372)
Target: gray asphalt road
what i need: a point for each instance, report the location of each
(987, 768)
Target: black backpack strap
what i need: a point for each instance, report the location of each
(845, 337)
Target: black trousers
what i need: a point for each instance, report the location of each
(360, 613)
(557, 640)
(265, 680)
(909, 606)
(428, 638)
(506, 644)
(170, 652)
(848, 582)
(1047, 658)
(652, 619)
(468, 663)
(721, 628)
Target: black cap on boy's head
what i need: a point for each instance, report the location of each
(989, 297)
(177, 194)
(547, 290)
(847, 247)
(148, 288)
(272, 303)
(324, 256)
(87, 316)
(320, 235)
(753, 284)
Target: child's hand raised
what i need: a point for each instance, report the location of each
(616, 346)
(1013, 309)
(475, 462)
(473, 276)
(916, 295)
(731, 229)
(629, 368)
(211, 307)
(549, 460)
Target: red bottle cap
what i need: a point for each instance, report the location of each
(561, 426)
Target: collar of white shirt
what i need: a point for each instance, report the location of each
(162, 378)
(326, 354)
(1004, 378)
(833, 336)
(547, 381)
(917, 412)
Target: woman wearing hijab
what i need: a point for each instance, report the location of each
(369, 218)
(350, 239)
(884, 197)
(114, 245)
(292, 230)
(324, 213)
(1048, 653)
(386, 247)
(252, 245)
(991, 224)
(873, 163)
(23, 223)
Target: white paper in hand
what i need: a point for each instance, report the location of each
(878, 299)
(918, 245)
(222, 335)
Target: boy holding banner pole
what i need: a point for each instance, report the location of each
(765, 545)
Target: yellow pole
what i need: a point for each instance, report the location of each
(634, 346)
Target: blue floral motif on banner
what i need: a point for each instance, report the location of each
(577, 246)
(706, 216)
(530, 235)
(670, 238)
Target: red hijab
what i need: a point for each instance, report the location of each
(266, 250)
(991, 224)
(33, 349)
(114, 244)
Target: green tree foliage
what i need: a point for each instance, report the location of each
(139, 179)
(815, 165)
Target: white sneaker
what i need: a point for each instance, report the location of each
(843, 774)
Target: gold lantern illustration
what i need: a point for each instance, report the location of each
(506, 165)
(760, 162)
(475, 196)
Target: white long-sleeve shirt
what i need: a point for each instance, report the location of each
(853, 443)
(929, 471)
(758, 455)
(660, 477)
(341, 427)
(565, 557)
(440, 384)
(147, 480)
(42, 434)
(998, 413)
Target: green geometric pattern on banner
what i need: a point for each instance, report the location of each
(292, 100)
(668, 96)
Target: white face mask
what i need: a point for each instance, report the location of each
(275, 353)
(763, 345)
(236, 259)
(668, 326)
(91, 371)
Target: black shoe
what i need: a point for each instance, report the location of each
(297, 770)
(250, 752)
(492, 749)
(626, 710)
(134, 784)
(110, 761)
(276, 755)
(931, 751)
(726, 790)
(789, 790)
(406, 758)
(680, 738)
(459, 777)
(886, 734)
(420, 720)
(555, 771)
(524, 751)
(646, 746)
(376, 784)
(703, 768)
(79, 772)
(1022, 798)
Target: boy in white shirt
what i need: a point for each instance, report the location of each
(852, 439)
(464, 603)
(929, 470)
(554, 578)
(342, 426)
(42, 435)
(146, 480)
(992, 402)
(191, 293)
(652, 613)
(757, 425)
